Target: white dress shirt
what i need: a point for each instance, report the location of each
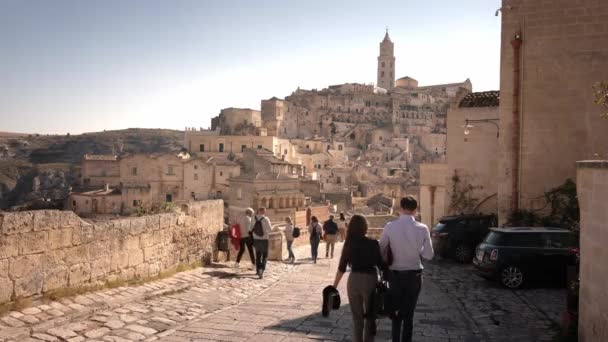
(245, 226)
(409, 240)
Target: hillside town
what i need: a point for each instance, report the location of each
(499, 197)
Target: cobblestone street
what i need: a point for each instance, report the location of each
(222, 304)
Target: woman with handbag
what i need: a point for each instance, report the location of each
(363, 256)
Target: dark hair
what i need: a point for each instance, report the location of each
(409, 203)
(357, 227)
(342, 218)
(314, 219)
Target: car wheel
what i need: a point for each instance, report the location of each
(463, 253)
(512, 277)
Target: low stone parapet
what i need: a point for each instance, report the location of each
(50, 250)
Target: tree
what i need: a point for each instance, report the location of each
(600, 92)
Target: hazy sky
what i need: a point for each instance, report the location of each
(83, 65)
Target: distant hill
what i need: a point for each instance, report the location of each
(36, 168)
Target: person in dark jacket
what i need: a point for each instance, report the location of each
(330, 228)
(363, 256)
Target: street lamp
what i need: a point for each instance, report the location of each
(467, 125)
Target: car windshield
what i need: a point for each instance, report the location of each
(493, 238)
(439, 226)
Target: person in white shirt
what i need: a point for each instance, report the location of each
(289, 238)
(260, 240)
(405, 241)
(246, 239)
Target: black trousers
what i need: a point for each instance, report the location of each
(405, 287)
(261, 254)
(246, 241)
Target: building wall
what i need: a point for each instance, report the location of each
(99, 172)
(564, 52)
(473, 157)
(592, 190)
(87, 205)
(198, 179)
(47, 250)
(433, 198)
(231, 143)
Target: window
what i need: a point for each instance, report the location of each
(195, 167)
(192, 195)
(221, 174)
(383, 64)
(134, 171)
(196, 176)
(136, 203)
(285, 151)
(170, 170)
(221, 147)
(340, 147)
(245, 121)
(239, 193)
(201, 147)
(169, 198)
(243, 147)
(382, 74)
(259, 147)
(74, 203)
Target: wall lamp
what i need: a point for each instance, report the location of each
(467, 125)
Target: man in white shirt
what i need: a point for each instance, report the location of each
(246, 239)
(407, 241)
(260, 240)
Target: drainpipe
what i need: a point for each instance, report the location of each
(432, 189)
(516, 44)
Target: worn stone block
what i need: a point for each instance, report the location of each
(127, 274)
(167, 220)
(9, 246)
(6, 290)
(17, 223)
(146, 240)
(132, 243)
(154, 269)
(26, 265)
(4, 268)
(100, 268)
(53, 219)
(138, 226)
(56, 277)
(119, 261)
(82, 234)
(142, 271)
(136, 257)
(99, 249)
(60, 238)
(77, 254)
(30, 284)
(79, 274)
(152, 253)
(33, 242)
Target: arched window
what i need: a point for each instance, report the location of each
(383, 64)
(382, 74)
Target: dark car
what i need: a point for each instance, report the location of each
(457, 236)
(515, 256)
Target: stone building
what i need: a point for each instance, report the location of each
(551, 55)
(471, 166)
(97, 170)
(237, 121)
(386, 64)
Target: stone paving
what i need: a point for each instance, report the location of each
(224, 304)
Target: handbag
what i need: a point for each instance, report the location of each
(381, 304)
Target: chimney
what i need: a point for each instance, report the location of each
(106, 187)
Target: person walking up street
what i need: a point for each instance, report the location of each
(363, 256)
(342, 225)
(315, 232)
(330, 228)
(406, 241)
(261, 232)
(246, 239)
(289, 239)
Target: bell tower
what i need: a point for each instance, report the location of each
(386, 64)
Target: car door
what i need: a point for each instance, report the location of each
(556, 253)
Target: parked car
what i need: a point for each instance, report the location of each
(457, 236)
(515, 256)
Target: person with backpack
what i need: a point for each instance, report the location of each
(261, 232)
(289, 236)
(363, 256)
(330, 228)
(315, 232)
(246, 239)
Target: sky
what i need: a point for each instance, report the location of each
(82, 65)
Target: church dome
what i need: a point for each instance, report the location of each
(407, 83)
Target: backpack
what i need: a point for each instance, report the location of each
(258, 229)
(296, 232)
(314, 232)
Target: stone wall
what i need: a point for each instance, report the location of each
(592, 184)
(47, 250)
(564, 51)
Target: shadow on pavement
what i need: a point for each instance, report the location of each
(338, 326)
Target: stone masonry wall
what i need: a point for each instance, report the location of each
(592, 184)
(46, 250)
